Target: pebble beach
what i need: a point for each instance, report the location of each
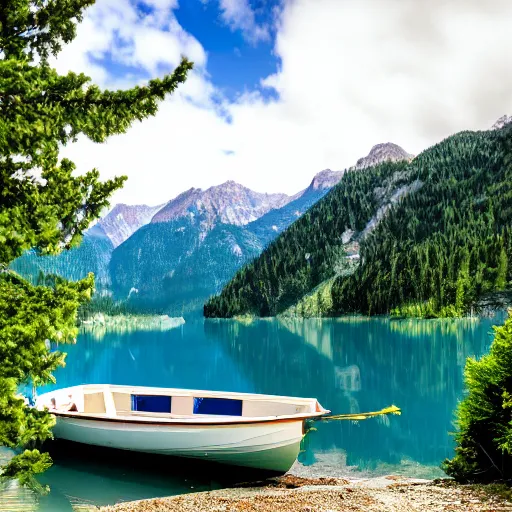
(295, 494)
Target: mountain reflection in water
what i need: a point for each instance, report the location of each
(350, 364)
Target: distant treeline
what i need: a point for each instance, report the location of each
(105, 305)
(434, 234)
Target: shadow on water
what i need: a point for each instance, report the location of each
(87, 475)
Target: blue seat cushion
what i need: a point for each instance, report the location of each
(222, 406)
(151, 403)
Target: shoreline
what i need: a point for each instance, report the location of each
(290, 493)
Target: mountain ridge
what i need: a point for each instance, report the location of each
(400, 236)
(156, 256)
(123, 220)
(227, 203)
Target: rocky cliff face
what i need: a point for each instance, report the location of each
(123, 220)
(326, 179)
(387, 152)
(501, 122)
(229, 203)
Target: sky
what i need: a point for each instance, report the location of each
(282, 89)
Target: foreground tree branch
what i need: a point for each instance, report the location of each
(43, 205)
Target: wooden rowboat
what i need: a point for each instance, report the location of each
(258, 431)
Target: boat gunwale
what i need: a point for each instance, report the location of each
(169, 422)
(154, 390)
(185, 420)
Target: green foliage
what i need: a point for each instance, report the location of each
(484, 436)
(427, 309)
(24, 466)
(315, 304)
(442, 245)
(92, 255)
(306, 253)
(43, 205)
(29, 316)
(434, 236)
(105, 305)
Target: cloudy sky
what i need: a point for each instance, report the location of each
(285, 88)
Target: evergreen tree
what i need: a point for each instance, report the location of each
(43, 206)
(501, 272)
(484, 436)
(434, 236)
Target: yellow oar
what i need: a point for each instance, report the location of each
(362, 415)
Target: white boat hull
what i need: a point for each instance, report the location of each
(272, 446)
(244, 429)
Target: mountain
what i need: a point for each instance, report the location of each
(387, 152)
(92, 255)
(191, 247)
(425, 237)
(173, 267)
(324, 181)
(197, 242)
(204, 271)
(123, 220)
(501, 122)
(267, 227)
(173, 257)
(229, 203)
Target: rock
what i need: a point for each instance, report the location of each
(228, 203)
(387, 152)
(501, 122)
(123, 220)
(325, 179)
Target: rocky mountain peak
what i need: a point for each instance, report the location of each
(501, 122)
(326, 179)
(228, 184)
(227, 203)
(123, 220)
(386, 152)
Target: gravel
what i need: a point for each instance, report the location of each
(296, 494)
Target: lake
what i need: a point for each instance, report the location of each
(350, 364)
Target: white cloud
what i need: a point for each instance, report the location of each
(162, 4)
(239, 15)
(114, 28)
(353, 74)
(411, 72)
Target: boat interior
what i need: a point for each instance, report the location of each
(164, 403)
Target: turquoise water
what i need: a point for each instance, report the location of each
(350, 365)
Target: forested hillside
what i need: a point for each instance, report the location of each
(431, 236)
(267, 227)
(170, 267)
(92, 255)
(196, 243)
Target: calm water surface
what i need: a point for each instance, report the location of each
(350, 365)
